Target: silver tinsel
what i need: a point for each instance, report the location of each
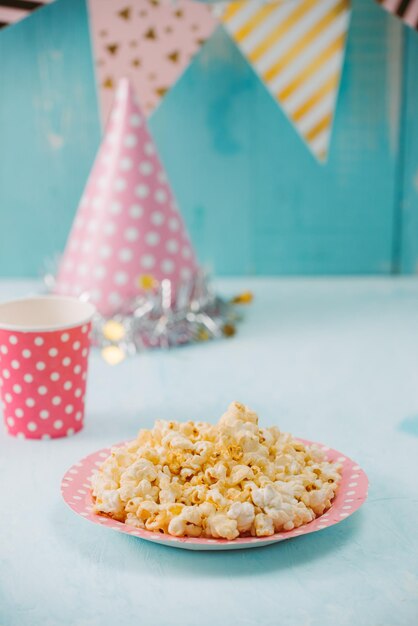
(163, 317)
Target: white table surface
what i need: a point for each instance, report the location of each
(334, 361)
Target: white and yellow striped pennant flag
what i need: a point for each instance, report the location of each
(297, 48)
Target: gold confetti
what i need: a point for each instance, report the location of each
(107, 83)
(161, 91)
(147, 282)
(174, 56)
(178, 13)
(113, 355)
(136, 62)
(112, 48)
(203, 335)
(113, 330)
(243, 298)
(125, 14)
(229, 330)
(150, 34)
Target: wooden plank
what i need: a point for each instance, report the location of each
(408, 227)
(254, 197)
(49, 131)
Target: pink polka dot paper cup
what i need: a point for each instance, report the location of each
(44, 348)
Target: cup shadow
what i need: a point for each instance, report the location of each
(122, 552)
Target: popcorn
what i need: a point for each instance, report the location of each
(227, 480)
(220, 525)
(243, 513)
(266, 497)
(263, 525)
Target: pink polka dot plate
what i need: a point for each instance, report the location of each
(352, 492)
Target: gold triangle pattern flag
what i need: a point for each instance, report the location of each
(297, 49)
(151, 42)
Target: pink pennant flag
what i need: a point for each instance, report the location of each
(12, 12)
(406, 10)
(128, 231)
(149, 41)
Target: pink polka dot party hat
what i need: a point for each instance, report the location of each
(128, 234)
(129, 253)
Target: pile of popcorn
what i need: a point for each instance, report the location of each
(226, 480)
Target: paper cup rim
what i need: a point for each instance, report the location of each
(83, 318)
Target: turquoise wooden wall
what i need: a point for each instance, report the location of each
(254, 198)
(407, 214)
